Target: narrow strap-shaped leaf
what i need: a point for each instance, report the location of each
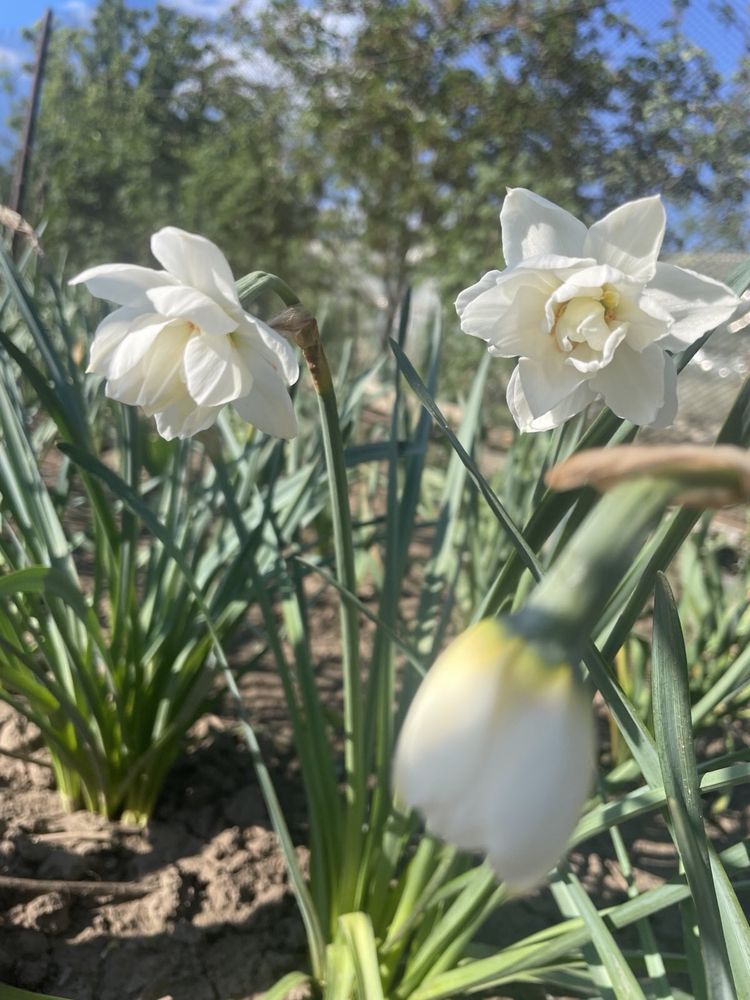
(734, 922)
(621, 977)
(646, 799)
(136, 504)
(674, 741)
(282, 989)
(551, 944)
(340, 975)
(356, 929)
(51, 581)
(652, 957)
(411, 655)
(524, 551)
(450, 931)
(634, 731)
(13, 993)
(43, 342)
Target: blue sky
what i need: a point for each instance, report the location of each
(701, 25)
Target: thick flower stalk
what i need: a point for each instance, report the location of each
(181, 346)
(497, 751)
(589, 312)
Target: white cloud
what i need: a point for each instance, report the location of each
(78, 12)
(254, 65)
(209, 10)
(342, 25)
(11, 59)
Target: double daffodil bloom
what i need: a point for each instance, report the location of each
(590, 313)
(181, 346)
(497, 752)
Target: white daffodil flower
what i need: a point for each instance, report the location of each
(497, 752)
(181, 346)
(589, 313)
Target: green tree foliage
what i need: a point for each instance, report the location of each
(145, 123)
(114, 129)
(367, 144)
(424, 111)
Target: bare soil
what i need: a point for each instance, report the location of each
(201, 909)
(213, 919)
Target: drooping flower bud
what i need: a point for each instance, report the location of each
(497, 751)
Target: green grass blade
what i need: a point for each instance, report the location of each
(674, 740)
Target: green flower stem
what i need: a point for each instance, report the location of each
(302, 326)
(255, 284)
(576, 589)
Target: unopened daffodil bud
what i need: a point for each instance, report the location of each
(702, 475)
(497, 751)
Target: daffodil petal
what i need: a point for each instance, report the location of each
(123, 284)
(647, 320)
(280, 352)
(586, 360)
(193, 306)
(547, 382)
(633, 387)
(697, 303)
(487, 281)
(531, 225)
(668, 410)
(525, 420)
(213, 372)
(507, 328)
(493, 742)
(196, 261)
(509, 315)
(183, 419)
(131, 349)
(161, 383)
(552, 737)
(269, 407)
(441, 753)
(630, 237)
(109, 335)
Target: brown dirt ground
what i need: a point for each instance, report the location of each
(216, 919)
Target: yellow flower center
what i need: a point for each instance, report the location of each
(585, 320)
